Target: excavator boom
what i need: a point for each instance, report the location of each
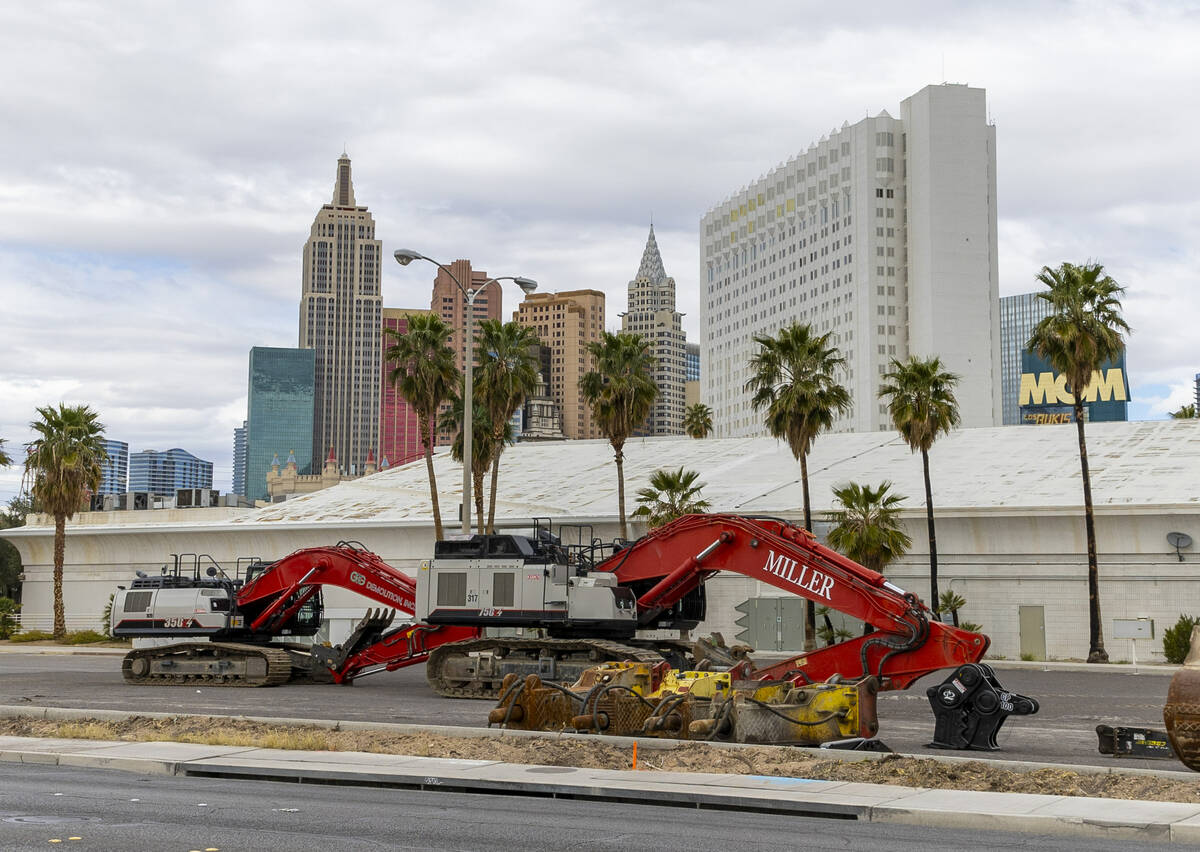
(905, 645)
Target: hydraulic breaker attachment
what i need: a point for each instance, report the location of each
(644, 700)
(368, 631)
(605, 696)
(781, 713)
(1134, 742)
(648, 699)
(529, 704)
(970, 706)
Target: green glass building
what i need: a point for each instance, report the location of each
(279, 412)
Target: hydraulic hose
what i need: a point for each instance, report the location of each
(826, 718)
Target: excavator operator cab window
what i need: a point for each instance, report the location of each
(502, 545)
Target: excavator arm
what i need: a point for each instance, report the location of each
(274, 597)
(905, 645)
(275, 594)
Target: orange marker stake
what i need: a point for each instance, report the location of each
(635, 754)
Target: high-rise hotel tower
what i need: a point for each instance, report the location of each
(882, 233)
(341, 318)
(651, 314)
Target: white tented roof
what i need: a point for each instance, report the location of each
(1137, 464)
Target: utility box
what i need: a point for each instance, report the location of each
(771, 624)
(1133, 628)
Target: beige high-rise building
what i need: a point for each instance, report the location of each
(651, 313)
(341, 318)
(883, 235)
(449, 303)
(567, 322)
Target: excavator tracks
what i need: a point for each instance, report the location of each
(475, 668)
(208, 663)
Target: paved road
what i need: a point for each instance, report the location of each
(1072, 703)
(91, 809)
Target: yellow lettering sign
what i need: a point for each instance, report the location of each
(1049, 389)
(1041, 389)
(1110, 386)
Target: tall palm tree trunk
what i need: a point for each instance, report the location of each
(1096, 652)
(491, 522)
(933, 566)
(427, 438)
(619, 455)
(810, 608)
(477, 478)
(60, 548)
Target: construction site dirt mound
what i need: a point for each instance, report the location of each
(780, 761)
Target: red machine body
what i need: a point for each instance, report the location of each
(673, 561)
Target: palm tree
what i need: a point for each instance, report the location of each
(62, 465)
(867, 525)
(1185, 412)
(922, 406)
(1084, 330)
(792, 379)
(483, 445)
(507, 373)
(671, 495)
(426, 375)
(620, 392)
(5, 460)
(697, 420)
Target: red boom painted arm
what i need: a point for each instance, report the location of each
(284, 587)
(289, 582)
(683, 554)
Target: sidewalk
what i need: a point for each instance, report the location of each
(1043, 815)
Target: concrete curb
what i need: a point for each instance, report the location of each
(1054, 666)
(644, 743)
(1031, 813)
(62, 650)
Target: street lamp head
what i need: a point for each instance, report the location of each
(406, 256)
(526, 284)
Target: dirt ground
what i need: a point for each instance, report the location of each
(684, 757)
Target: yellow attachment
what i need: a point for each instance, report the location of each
(642, 678)
(808, 715)
(704, 685)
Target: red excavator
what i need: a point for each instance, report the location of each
(572, 606)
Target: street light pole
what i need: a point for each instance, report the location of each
(406, 256)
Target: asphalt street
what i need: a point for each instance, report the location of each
(1072, 704)
(93, 809)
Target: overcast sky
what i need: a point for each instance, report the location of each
(161, 164)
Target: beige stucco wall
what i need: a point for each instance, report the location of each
(999, 560)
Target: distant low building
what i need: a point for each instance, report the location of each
(287, 481)
(163, 473)
(542, 419)
(114, 471)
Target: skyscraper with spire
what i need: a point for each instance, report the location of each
(341, 319)
(651, 313)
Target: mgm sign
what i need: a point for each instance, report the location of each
(1044, 398)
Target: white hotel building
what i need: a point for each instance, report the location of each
(883, 233)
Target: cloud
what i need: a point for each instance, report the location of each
(162, 164)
